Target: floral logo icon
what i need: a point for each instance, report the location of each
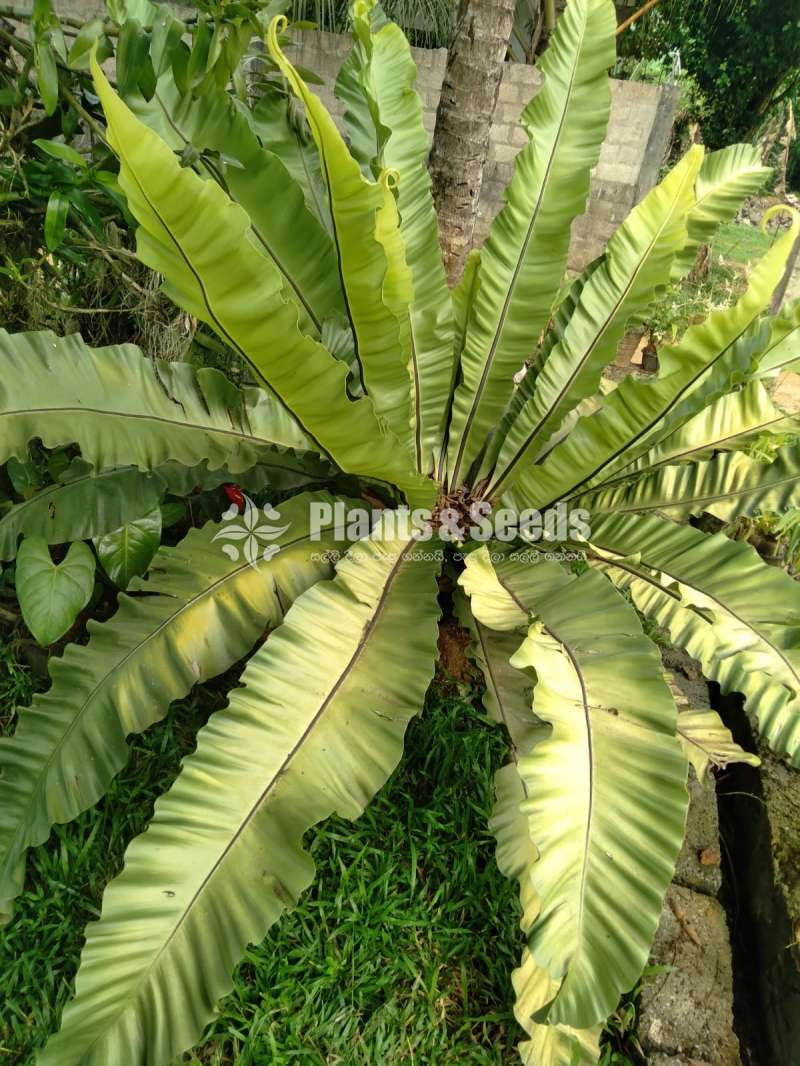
(245, 528)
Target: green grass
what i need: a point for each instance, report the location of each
(741, 244)
(401, 952)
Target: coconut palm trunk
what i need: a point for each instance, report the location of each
(464, 121)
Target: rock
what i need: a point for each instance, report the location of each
(676, 1060)
(687, 1013)
(699, 863)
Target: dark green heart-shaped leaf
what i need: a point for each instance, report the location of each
(52, 596)
(126, 553)
(24, 476)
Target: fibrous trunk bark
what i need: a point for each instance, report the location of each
(464, 121)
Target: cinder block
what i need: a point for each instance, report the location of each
(502, 153)
(603, 210)
(510, 113)
(582, 252)
(621, 173)
(518, 137)
(631, 155)
(508, 90)
(630, 132)
(504, 172)
(620, 212)
(501, 133)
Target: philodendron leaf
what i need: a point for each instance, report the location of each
(52, 596)
(126, 552)
(46, 75)
(24, 476)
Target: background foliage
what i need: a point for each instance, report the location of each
(742, 55)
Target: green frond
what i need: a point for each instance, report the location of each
(507, 699)
(85, 503)
(725, 180)
(723, 605)
(729, 423)
(708, 743)
(228, 151)
(219, 273)
(728, 486)
(606, 793)
(782, 352)
(590, 783)
(279, 759)
(377, 83)
(123, 409)
(364, 258)
(549, 1045)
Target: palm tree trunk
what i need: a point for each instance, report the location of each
(464, 121)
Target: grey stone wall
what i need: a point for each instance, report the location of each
(631, 157)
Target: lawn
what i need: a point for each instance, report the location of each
(741, 244)
(401, 952)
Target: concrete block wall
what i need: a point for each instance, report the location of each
(630, 160)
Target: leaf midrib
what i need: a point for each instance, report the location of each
(654, 421)
(679, 457)
(160, 419)
(212, 314)
(690, 501)
(589, 741)
(479, 628)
